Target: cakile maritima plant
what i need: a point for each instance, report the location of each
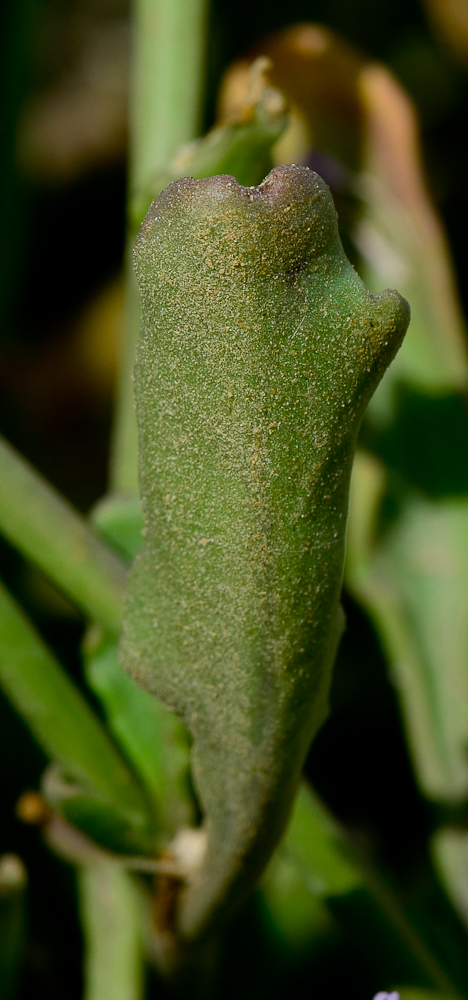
(260, 348)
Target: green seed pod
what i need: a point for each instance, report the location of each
(260, 348)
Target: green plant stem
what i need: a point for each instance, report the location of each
(112, 922)
(169, 48)
(58, 716)
(47, 530)
(169, 44)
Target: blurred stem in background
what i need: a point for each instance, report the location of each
(169, 43)
(169, 48)
(112, 921)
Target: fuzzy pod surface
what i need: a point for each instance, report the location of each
(260, 348)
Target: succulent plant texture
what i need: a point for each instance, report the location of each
(259, 351)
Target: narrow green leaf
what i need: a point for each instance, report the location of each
(68, 731)
(318, 847)
(119, 521)
(450, 852)
(310, 865)
(414, 583)
(47, 530)
(154, 740)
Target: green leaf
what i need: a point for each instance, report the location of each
(99, 791)
(154, 740)
(260, 349)
(310, 865)
(120, 523)
(47, 530)
(318, 878)
(450, 852)
(319, 849)
(414, 581)
(240, 147)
